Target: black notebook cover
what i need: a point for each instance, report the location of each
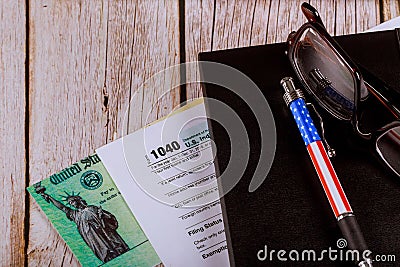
(289, 210)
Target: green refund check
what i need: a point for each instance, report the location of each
(88, 211)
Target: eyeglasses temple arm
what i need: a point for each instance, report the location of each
(311, 13)
(388, 97)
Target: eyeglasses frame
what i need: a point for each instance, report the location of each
(315, 23)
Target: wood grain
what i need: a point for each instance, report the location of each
(390, 9)
(143, 39)
(347, 17)
(284, 18)
(12, 132)
(242, 23)
(199, 21)
(367, 14)
(67, 69)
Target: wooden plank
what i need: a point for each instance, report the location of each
(67, 74)
(12, 131)
(285, 17)
(260, 23)
(233, 24)
(347, 17)
(390, 9)
(367, 14)
(143, 39)
(199, 22)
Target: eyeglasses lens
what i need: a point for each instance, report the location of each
(326, 74)
(388, 146)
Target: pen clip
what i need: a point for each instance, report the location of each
(330, 150)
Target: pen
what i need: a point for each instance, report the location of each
(347, 222)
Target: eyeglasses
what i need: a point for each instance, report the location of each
(331, 77)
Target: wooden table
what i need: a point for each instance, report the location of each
(68, 69)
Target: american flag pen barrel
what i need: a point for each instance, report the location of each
(341, 208)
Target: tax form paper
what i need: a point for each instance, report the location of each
(166, 174)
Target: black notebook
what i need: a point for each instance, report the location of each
(289, 211)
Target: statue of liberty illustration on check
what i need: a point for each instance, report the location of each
(97, 227)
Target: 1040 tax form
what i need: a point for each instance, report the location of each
(166, 174)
